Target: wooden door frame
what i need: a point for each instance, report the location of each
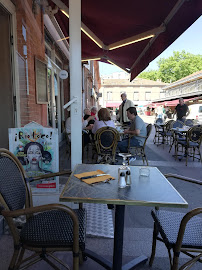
(10, 8)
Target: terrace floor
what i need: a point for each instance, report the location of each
(138, 221)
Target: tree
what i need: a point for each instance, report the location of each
(149, 75)
(175, 67)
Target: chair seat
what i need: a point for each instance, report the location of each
(169, 223)
(53, 229)
(191, 144)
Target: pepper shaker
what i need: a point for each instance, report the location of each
(128, 178)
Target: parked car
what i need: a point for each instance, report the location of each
(195, 112)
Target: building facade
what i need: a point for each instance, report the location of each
(32, 56)
(140, 91)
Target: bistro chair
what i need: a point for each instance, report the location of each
(192, 143)
(158, 127)
(140, 150)
(180, 232)
(189, 122)
(106, 139)
(47, 229)
(175, 135)
(166, 133)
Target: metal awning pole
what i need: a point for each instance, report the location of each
(75, 81)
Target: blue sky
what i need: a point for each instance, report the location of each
(190, 41)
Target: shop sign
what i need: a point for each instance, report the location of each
(36, 147)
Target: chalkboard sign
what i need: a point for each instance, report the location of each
(41, 82)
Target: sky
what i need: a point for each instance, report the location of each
(190, 41)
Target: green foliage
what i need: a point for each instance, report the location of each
(149, 75)
(175, 67)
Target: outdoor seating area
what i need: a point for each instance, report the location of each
(139, 223)
(185, 136)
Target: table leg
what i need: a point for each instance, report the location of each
(118, 243)
(118, 247)
(118, 237)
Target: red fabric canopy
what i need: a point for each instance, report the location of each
(174, 102)
(115, 20)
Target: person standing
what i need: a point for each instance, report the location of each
(123, 108)
(181, 110)
(137, 128)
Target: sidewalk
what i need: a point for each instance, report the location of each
(138, 221)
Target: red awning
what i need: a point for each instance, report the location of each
(175, 101)
(116, 22)
(113, 104)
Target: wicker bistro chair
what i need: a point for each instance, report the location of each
(48, 228)
(166, 134)
(106, 139)
(189, 122)
(140, 150)
(192, 143)
(158, 128)
(179, 232)
(175, 136)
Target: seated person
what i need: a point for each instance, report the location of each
(85, 125)
(104, 120)
(87, 113)
(94, 111)
(137, 128)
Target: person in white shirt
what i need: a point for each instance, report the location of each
(104, 120)
(84, 125)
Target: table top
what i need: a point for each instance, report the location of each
(154, 190)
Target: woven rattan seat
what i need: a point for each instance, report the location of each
(47, 228)
(180, 232)
(53, 229)
(169, 224)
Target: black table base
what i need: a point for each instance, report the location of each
(118, 247)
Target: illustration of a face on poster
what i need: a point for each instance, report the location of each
(36, 148)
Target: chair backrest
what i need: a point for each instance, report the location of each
(106, 139)
(195, 134)
(189, 122)
(149, 129)
(176, 124)
(168, 125)
(159, 121)
(13, 188)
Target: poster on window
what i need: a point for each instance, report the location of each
(37, 149)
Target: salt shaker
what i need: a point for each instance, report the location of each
(128, 178)
(122, 181)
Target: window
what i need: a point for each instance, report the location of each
(41, 81)
(148, 96)
(136, 96)
(109, 95)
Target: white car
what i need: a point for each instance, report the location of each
(195, 112)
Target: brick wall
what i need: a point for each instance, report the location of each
(33, 23)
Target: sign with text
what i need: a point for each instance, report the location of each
(37, 149)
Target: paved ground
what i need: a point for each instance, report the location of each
(138, 221)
